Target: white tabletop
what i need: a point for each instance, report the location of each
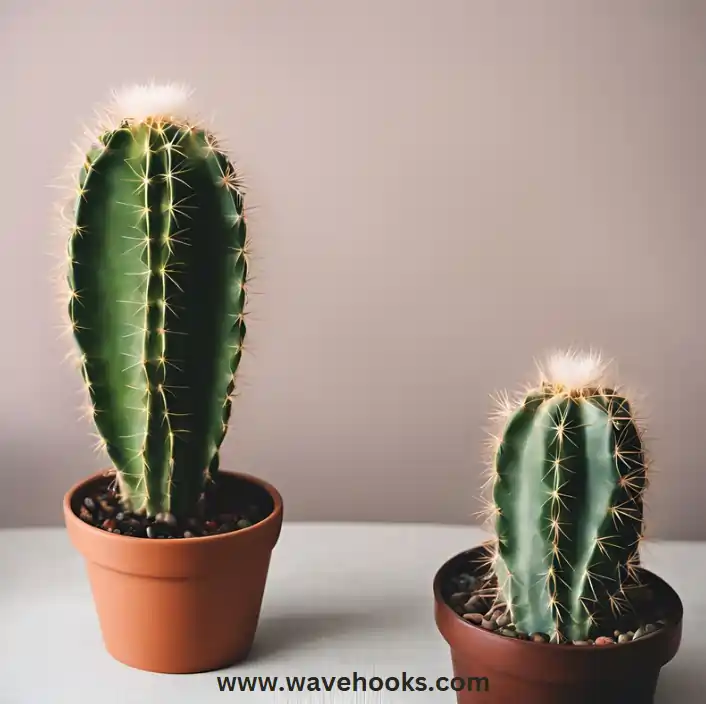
(341, 598)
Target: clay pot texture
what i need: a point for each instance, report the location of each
(547, 673)
(182, 605)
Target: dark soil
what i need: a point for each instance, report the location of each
(474, 601)
(104, 511)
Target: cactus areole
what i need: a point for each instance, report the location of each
(568, 477)
(157, 273)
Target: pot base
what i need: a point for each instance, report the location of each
(505, 689)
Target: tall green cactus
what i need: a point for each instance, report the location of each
(569, 476)
(157, 274)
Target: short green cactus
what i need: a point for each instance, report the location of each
(158, 271)
(569, 473)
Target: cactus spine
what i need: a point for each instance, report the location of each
(569, 474)
(157, 273)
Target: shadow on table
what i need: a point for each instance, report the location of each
(281, 633)
(680, 683)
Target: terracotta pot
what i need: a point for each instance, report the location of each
(546, 673)
(183, 605)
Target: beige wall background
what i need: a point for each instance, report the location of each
(444, 191)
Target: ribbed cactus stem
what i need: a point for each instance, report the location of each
(568, 487)
(158, 271)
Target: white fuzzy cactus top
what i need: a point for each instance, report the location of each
(574, 370)
(152, 100)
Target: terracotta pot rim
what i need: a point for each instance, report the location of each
(273, 517)
(593, 651)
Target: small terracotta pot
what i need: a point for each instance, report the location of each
(547, 673)
(184, 605)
